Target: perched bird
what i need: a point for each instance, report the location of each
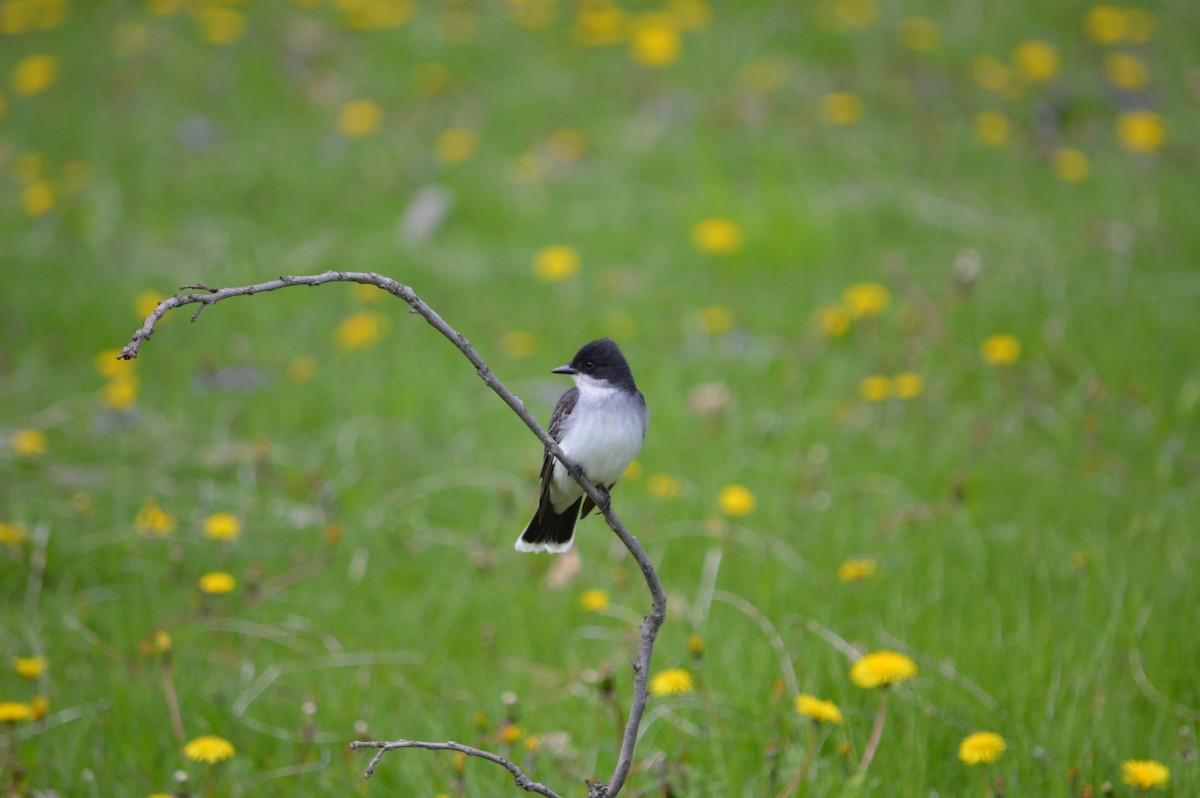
(600, 424)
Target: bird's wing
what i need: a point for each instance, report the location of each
(562, 411)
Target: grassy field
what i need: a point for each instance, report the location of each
(907, 284)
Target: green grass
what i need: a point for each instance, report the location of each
(1033, 525)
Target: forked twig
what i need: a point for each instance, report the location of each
(204, 296)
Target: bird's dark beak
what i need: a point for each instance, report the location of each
(564, 370)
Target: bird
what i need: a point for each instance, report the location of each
(600, 424)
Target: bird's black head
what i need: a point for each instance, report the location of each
(601, 360)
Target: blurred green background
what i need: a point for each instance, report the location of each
(910, 288)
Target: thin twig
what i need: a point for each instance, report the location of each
(658, 611)
(522, 781)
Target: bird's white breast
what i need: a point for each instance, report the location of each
(603, 434)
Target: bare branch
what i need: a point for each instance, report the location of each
(658, 611)
(522, 781)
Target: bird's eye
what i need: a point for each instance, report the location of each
(589, 365)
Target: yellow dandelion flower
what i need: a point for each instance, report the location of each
(632, 471)
(663, 486)
(108, 365)
(222, 526)
(1142, 24)
(519, 344)
(164, 8)
(147, 302)
(28, 442)
(654, 41)
(821, 711)
(511, 733)
(856, 569)
(208, 748)
(38, 199)
(716, 320)
(908, 385)
(359, 330)
(1000, 350)
(359, 118)
(674, 681)
(736, 500)
(157, 643)
(566, 145)
(219, 25)
(120, 393)
(833, 321)
(13, 711)
(689, 14)
(1037, 61)
(34, 75)
(302, 368)
(16, 17)
(456, 145)
(991, 73)
(594, 600)
(1105, 24)
(556, 263)
(216, 583)
(1145, 774)
(865, 300)
(881, 669)
(981, 748)
(153, 519)
(992, 128)
(841, 108)
(1126, 71)
(695, 644)
(1071, 165)
(919, 34)
(600, 23)
(12, 535)
(532, 745)
(39, 707)
(1141, 131)
(30, 667)
(717, 236)
(856, 13)
(875, 388)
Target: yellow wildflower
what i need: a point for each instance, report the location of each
(302, 368)
(632, 471)
(820, 711)
(28, 442)
(1141, 131)
(556, 263)
(39, 707)
(674, 681)
(689, 14)
(654, 42)
(12, 535)
(981, 748)
(841, 108)
(856, 569)
(1105, 24)
(833, 321)
(519, 344)
(875, 388)
(1071, 165)
(1000, 350)
(147, 302)
(216, 583)
(881, 669)
(359, 118)
(991, 73)
(908, 385)
(664, 486)
(455, 145)
(716, 320)
(864, 300)
(35, 74)
(736, 500)
(13, 711)
(566, 145)
(107, 364)
(220, 25)
(120, 393)
(717, 236)
(695, 644)
(152, 519)
(38, 198)
(1144, 774)
(919, 34)
(359, 329)
(856, 13)
(222, 526)
(164, 8)
(599, 23)
(594, 600)
(1036, 61)
(30, 667)
(511, 733)
(1126, 71)
(992, 128)
(208, 748)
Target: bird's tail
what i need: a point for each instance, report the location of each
(548, 530)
